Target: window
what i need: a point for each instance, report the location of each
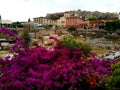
(68, 21)
(62, 21)
(37, 20)
(72, 21)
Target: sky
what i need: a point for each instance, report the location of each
(21, 10)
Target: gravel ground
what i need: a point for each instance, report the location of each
(4, 53)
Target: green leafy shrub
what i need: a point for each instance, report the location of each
(72, 43)
(114, 79)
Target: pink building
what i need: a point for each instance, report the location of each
(76, 22)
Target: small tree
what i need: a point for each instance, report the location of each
(112, 26)
(17, 24)
(114, 79)
(26, 36)
(72, 28)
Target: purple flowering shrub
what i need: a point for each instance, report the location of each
(20, 43)
(58, 68)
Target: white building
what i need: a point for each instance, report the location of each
(119, 16)
(43, 21)
(67, 14)
(6, 21)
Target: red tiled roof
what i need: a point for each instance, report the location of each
(83, 23)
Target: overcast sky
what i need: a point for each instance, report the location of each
(21, 10)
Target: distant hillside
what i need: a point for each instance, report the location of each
(55, 16)
(84, 14)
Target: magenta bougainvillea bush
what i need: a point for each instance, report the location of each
(58, 68)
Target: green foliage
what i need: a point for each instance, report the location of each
(72, 28)
(55, 16)
(72, 43)
(47, 26)
(1, 74)
(92, 18)
(26, 36)
(17, 24)
(115, 66)
(6, 25)
(114, 79)
(112, 26)
(13, 25)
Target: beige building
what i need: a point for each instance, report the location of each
(61, 22)
(43, 21)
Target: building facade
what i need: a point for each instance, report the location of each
(66, 14)
(96, 23)
(61, 22)
(119, 16)
(76, 22)
(6, 21)
(43, 21)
